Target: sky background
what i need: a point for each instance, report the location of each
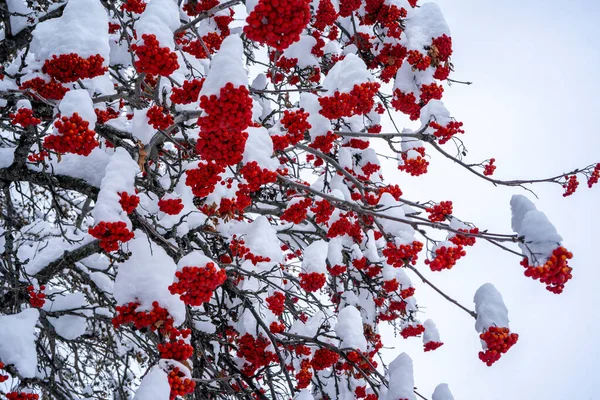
(532, 106)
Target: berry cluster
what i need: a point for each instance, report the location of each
(415, 166)
(412, 330)
(407, 104)
(277, 24)
(443, 45)
(153, 59)
(595, 176)
(230, 111)
(178, 350)
(430, 92)
(72, 67)
(446, 257)
(134, 6)
(276, 303)
(188, 93)
(397, 256)
(110, 234)
(159, 118)
(323, 210)
(313, 281)
(323, 359)
(105, 115)
(36, 298)
(498, 341)
(360, 100)
(180, 384)
(304, 376)
(445, 133)
(21, 396)
(211, 41)
(75, 136)
(128, 202)
(193, 8)
(37, 157)
(46, 90)
(170, 206)
(344, 226)
(489, 167)
(438, 212)
(256, 176)
(571, 185)
(203, 179)
(3, 378)
(296, 212)
(157, 318)
(296, 124)
(197, 284)
(418, 60)
(554, 273)
(24, 117)
(253, 350)
(224, 148)
(430, 346)
(238, 249)
(325, 16)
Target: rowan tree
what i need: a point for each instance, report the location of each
(193, 204)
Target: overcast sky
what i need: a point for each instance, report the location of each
(533, 107)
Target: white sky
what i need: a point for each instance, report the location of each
(532, 107)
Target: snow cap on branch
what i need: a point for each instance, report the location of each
(490, 308)
(17, 341)
(442, 392)
(401, 380)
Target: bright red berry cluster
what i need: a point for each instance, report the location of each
(170, 206)
(296, 212)
(159, 118)
(324, 358)
(256, 176)
(75, 136)
(277, 24)
(571, 185)
(498, 341)
(323, 210)
(446, 257)
(443, 45)
(438, 212)
(36, 298)
(445, 133)
(177, 350)
(128, 202)
(595, 176)
(489, 167)
(203, 179)
(110, 234)
(412, 330)
(105, 115)
(313, 281)
(397, 256)
(554, 273)
(430, 92)
(430, 346)
(197, 284)
(360, 100)
(415, 166)
(230, 111)
(180, 384)
(222, 147)
(276, 303)
(304, 376)
(418, 60)
(47, 90)
(153, 59)
(24, 117)
(253, 350)
(72, 67)
(188, 93)
(325, 16)
(134, 6)
(239, 250)
(154, 319)
(296, 124)
(407, 104)
(21, 396)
